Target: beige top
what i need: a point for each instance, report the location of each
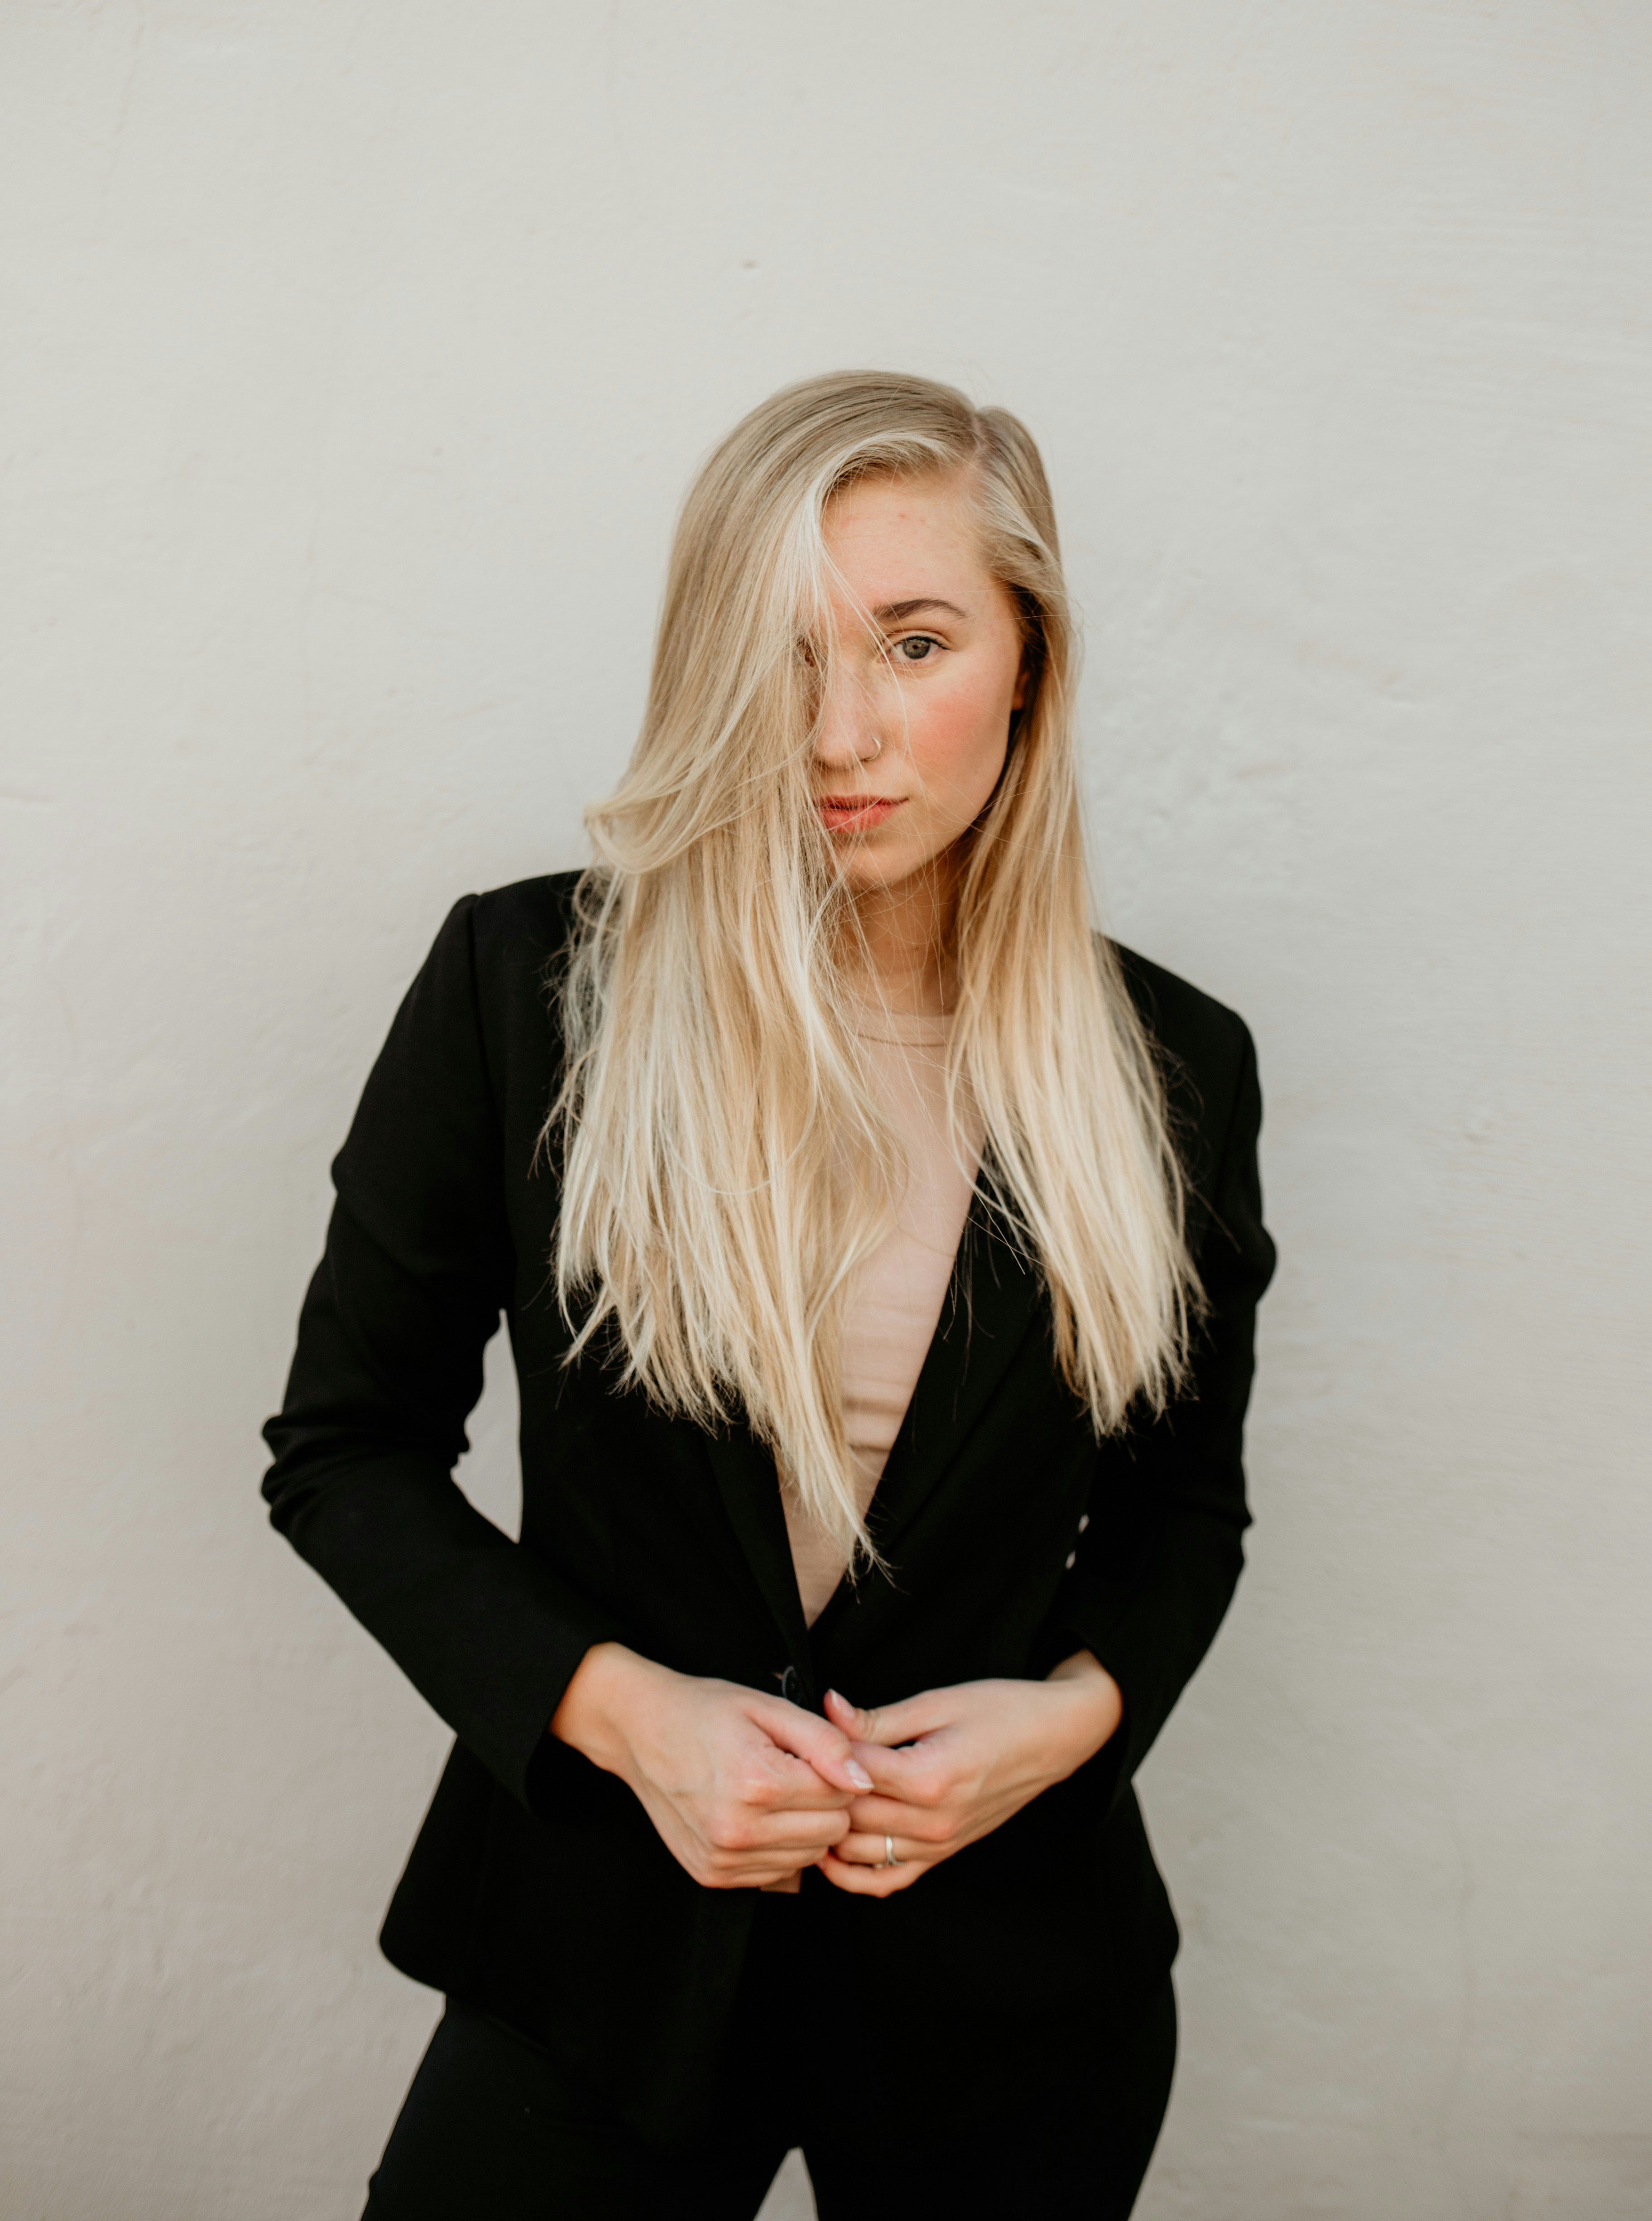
(895, 1296)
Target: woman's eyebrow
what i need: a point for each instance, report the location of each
(893, 612)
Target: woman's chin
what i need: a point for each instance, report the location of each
(869, 867)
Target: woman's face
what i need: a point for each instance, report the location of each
(915, 728)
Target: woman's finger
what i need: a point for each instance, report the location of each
(871, 1816)
(855, 1723)
(804, 1831)
(917, 1773)
(822, 1745)
(889, 1724)
(794, 1786)
(871, 1848)
(885, 1771)
(871, 1880)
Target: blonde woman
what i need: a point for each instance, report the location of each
(880, 1249)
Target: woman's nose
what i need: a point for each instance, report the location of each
(847, 732)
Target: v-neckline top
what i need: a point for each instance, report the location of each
(895, 1296)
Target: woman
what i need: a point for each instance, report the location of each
(879, 1251)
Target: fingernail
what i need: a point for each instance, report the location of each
(858, 1775)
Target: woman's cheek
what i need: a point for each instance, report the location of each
(960, 753)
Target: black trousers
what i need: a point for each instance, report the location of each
(962, 2121)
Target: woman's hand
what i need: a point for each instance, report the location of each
(951, 1765)
(744, 1790)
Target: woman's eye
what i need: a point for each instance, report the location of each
(916, 649)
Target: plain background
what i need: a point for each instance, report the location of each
(356, 353)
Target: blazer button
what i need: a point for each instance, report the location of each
(792, 1688)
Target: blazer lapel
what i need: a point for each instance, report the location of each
(995, 1296)
(750, 1489)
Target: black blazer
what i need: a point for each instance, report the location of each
(537, 1888)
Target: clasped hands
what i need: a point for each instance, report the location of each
(746, 1790)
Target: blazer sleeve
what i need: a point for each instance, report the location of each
(1148, 1589)
(417, 1267)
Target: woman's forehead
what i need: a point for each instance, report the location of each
(895, 541)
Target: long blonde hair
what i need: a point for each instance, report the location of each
(725, 1162)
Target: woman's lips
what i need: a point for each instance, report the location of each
(856, 813)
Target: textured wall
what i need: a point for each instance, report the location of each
(356, 354)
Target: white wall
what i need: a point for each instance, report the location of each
(356, 354)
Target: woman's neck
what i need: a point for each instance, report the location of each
(905, 937)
